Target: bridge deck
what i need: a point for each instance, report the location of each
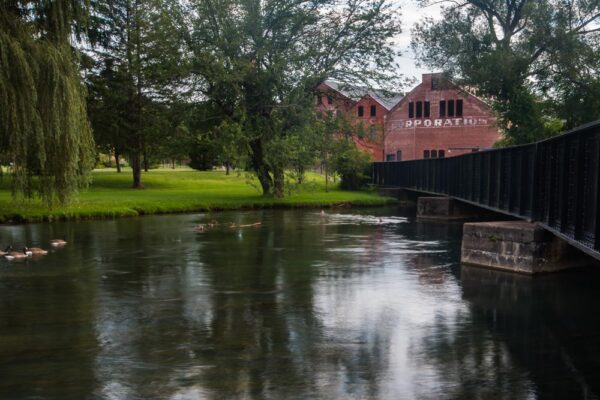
(555, 182)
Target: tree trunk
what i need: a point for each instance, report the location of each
(173, 164)
(265, 179)
(300, 177)
(118, 160)
(136, 166)
(226, 168)
(279, 181)
(146, 163)
(260, 168)
(326, 177)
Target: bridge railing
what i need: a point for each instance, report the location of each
(555, 182)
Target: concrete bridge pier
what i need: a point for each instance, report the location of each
(446, 209)
(518, 246)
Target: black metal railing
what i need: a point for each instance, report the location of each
(555, 182)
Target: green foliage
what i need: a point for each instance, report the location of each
(522, 55)
(258, 62)
(204, 153)
(136, 71)
(44, 130)
(352, 165)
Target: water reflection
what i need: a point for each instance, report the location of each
(353, 304)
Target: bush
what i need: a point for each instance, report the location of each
(203, 155)
(353, 165)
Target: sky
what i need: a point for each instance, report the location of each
(411, 14)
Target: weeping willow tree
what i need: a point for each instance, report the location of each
(44, 131)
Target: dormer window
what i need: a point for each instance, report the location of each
(373, 111)
(329, 100)
(419, 109)
(459, 108)
(411, 110)
(427, 111)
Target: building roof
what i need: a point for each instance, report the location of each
(467, 91)
(387, 99)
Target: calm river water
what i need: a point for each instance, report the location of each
(356, 304)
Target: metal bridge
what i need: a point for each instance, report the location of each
(555, 182)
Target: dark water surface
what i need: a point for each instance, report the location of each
(353, 305)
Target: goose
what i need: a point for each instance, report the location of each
(200, 228)
(57, 242)
(15, 255)
(34, 251)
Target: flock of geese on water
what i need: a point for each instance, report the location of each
(11, 254)
(201, 228)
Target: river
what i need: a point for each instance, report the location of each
(353, 304)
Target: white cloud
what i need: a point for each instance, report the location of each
(412, 13)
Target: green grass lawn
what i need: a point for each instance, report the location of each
(174, 191)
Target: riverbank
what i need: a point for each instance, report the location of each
(176, 191)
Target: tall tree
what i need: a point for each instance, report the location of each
(106, 108)
(507, 49)
(139, 40)
(259, 62)
(43, 121)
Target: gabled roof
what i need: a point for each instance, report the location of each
(387, 99)
(454, 85)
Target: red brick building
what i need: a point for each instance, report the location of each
(361, 106)
(438, 119)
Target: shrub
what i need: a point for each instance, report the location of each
(353, 165)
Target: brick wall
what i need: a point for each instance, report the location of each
(372, 141)
(455, 135)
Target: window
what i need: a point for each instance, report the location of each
(319, 99)
(329, 100)
(373, 111)
(426, 154)
(390, 157)
(442, 108)
(427, 111)
(419, 109)
(441, 153)
(361, 111)
(399, 155)
(459, 108)
(451, 108)
(411, 110)
(434, 154)
(435, 83)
